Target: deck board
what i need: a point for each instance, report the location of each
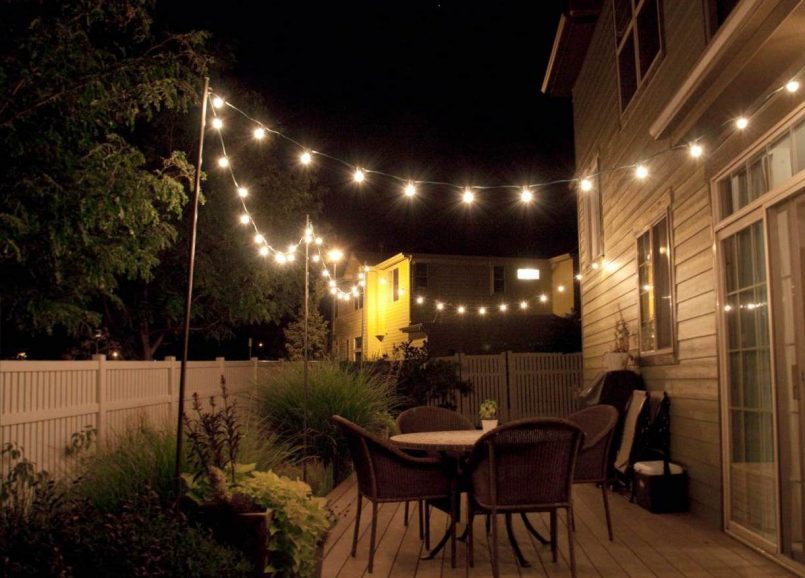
(665, 546)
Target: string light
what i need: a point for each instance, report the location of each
(579, 276)
(280, 258)
(263, 251)
(696, 150)
(461, 310)
(410, 189)
(315, 258)
(641, 171)
(259, 239)
(319, 241)
(359, 176)
(526, 195)
(217, 123)
(561, 288)
(420, 300)
(243, 192)
(259, 133)
(543, 298)
(244, 219)
(439, 306)
(482, 311)
(468, 197)
(523, 304)
(223, 162)
(305, 158)
(741, 122)
(792, 86)
(217, 102)
(503, 307)
(586, 185)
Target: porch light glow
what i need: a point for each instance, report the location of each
(561, 288)
(528, 274)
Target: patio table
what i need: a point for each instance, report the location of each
(451, 443)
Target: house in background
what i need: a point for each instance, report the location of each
(703, 252)
(456, 303)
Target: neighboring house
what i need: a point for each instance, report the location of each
(453, 302)
(705, 257)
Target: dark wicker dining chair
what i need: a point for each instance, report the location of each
(426, 418)
(387, 474)
(592, 466)
(520, 467)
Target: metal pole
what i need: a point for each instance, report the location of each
(191, 263)
(307, 344)
(363, 312)
(332, 329)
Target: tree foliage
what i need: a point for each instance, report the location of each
(317, 336)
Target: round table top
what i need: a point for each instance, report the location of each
(443, 441)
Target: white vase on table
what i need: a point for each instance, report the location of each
(488, 424)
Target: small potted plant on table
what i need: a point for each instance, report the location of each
(488, 413)
(618, 358)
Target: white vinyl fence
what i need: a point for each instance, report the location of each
(523, 384)
(42, 403)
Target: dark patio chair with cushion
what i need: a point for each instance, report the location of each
(524, 466)
(592, 466)
(386, 474)
(423, 419)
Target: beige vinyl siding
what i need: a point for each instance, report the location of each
(677, 183)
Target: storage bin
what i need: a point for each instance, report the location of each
(660, 493)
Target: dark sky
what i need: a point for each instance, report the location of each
(441, 91)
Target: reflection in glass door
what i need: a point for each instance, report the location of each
(786, 224)
(752, 469)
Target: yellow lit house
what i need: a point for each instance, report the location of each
(456, 303)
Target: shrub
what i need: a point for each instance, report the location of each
(362, 396)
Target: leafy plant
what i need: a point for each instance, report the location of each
(363, 396)
(622, 336)
(488, 409)
(317, 336)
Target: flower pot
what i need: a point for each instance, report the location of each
(488, 424)
(616, 360)
(247, 531)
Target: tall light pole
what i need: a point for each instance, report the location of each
(308, 240)
(334, 255)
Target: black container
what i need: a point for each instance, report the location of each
(662, 493)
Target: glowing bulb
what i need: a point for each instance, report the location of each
(410, 190)
(223, 162)
(594, 266)
(741, 122)
(243, 192)
(523, 304)
(503, 307)
(727, 308)
(263, 251)
(359, 176)
(468, 197)
(561, 288)
(461, 310)
(217, 123)
(367, 268)
(259, 133)
(291, 257)
(319, 240)
(420, 300)
(361, 275)
(217, 102)
(335, 255)
(325, 273)
(332, 283)
(291, 248)
(280, 258)
(543, 298)
(439, 306)
(333, 291)
(792, 86)
(579, 277)
(362, 283)
(526, 195)
(316, 258)
(355, 291)
(482, 311)
(641, 172)
(696, 150)
(258, 239)
(244, 219)
(305, 158)
(586, 185)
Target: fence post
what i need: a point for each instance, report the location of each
(173, 387)
(507, 377)
(221, 365)
(462, 405)
(100, 396)
(254, 368)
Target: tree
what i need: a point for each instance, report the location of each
(317, 336)
(82, 206)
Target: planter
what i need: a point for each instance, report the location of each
(488, 424)
(616, 360)
(247, 531)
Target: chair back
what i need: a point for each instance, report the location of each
(525, 463)
(598, 424)
(361, 457)
(425, 418)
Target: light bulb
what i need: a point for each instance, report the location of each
(259, 133)
(792, 86)
(243, 192)
(291, 248)
(641, 172)
(217, 123)
(594, 266)
(355, 291)
(468, 197)
(523, 304)
(333, 291)
(410, 190)
(359, 176)
(244, 219)
(217, 102)
(420, 300)
(461, 310)
(741, 122)
(319, 240)
(503, 307)
(439, 306)
(263, 251)
(561, 288)
(543, 298)
(578, 277)
(482, 311)
(325, 273)
(526, 195)
(305, 158)
(223, 162)
(586, 185)
(696, 150)
(258, 239)
(280, 258)
(362, 283)
(316, 258)
(332, 283)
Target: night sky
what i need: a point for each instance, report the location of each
(440, 91)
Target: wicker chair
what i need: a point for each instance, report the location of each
(592, 466)
(423, 419)
(524, 466)
(386, 474)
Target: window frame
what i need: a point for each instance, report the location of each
(631, 30)
(502, 269)
(395, 284)
(418, 276)
(587, 203)
(649, 230)
(711, 27)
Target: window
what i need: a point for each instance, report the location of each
(357, 301)
(656, 288)
(420, 276)
(395, 285)
(358, 348)
(716, 12)
(593, 218)
(498, 279)
(638, 39)
(770, 168)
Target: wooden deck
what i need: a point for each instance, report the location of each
(645, 544)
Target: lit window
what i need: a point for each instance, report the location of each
(528, 274)
(638, 39)
(655, 288)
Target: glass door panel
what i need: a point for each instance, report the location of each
(752, 467)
